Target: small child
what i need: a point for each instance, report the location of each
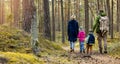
(90, 41)
(81, 36)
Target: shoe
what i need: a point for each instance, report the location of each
(70, 50)
(100, 51)
(83, 51)
(105, 52)
(80, 51)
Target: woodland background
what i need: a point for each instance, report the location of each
(36, 30)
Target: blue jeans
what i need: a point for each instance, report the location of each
(72, 45)
(81, 46)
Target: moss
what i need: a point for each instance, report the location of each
(114, 50)
(48, 46)
(11, 39)
(18, 58)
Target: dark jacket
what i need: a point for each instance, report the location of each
(91, 39)
(73, 29)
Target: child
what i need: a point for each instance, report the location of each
(90, 41)
(81, 36)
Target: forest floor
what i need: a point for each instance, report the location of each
(15, 48)
(65, 57)
(95, 58)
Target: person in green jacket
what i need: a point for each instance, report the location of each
(101, 33)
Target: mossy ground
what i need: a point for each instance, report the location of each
(20, 58)
(15, 48)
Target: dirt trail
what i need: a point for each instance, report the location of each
(95, 58)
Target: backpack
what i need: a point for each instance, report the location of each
(91, 39)
(104, 24)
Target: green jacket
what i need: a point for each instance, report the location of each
(97, 23)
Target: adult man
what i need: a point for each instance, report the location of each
(102, 26)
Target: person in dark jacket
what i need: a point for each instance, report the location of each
(73, 30)
(90, 41)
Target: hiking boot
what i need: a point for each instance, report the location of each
(105, 52)
(101, 50)
(80, 51)
(70, 50)
(83, 51)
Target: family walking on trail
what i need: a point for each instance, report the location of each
(101, 27)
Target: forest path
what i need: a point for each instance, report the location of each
(95, 58)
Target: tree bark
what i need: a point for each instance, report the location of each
(112, 19)
(16, 7)
(34, 29)
(108, 12)
(62, 16)
(59, 29)
(86, 6)
(47, 27)
(98, 6)
(118, 15)
(69, 10)
(53, 22)
(2, 14)
(26, 24)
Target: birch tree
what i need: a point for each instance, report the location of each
(34, 29)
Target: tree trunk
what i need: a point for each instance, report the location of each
(11, 23)
(47, 27)
(112, 19)
(26, 24)
(34, 28)
(53, 22)
(69, 10)
(92, 16)
(108, 12)
(101, 4)
(59, 29)
(118, 15)
(98, 6)
(86, 6)
(105, 6)
(79, 11)
(62, 16)
(40, 14)
(16, 6)
(2, 14)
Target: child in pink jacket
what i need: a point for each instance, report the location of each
(81, 36)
